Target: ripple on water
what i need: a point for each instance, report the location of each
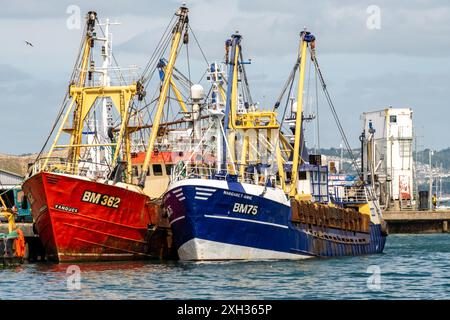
(412, 267)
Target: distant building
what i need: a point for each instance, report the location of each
(388, 154)
(12, 194)
(9, 179)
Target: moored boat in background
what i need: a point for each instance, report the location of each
(268, 202)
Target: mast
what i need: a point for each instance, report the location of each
(305, 38)
(249, 121)
(179, 28)
(230, 106)
(74, 153)
(83, 101)
(106, 112)
(217, 109)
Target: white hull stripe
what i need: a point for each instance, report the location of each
(247, 220)
(181, 199)
(179, 195)
(201, 198)
(177, 219)
(213, 185)
(205, 189)
(178, 191)
(204, 193)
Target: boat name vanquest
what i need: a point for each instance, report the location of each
(66, 208)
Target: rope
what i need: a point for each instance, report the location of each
(335, 116)
(198, 44)
(317, 115)
(286, 84)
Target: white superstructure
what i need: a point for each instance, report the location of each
(388, 153)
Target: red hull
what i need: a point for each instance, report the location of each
(82, 220)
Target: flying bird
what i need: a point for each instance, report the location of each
(28, 43)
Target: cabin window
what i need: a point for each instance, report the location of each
(168, 169)
(393, 119)
(135, 171)
(157, 170)
(302, 175)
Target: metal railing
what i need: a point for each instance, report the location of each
(60, 165)
(184, 170)
(349, 194)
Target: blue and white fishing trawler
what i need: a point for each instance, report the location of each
(262, 197)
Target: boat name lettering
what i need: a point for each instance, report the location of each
(65, 208)
(101, 199)
(238, 195)
(245, 208)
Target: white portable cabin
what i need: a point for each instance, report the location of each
(388, 153)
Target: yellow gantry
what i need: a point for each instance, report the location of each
(298, 120)
(179, 96)
(251, 120)
(83, 99)
(178, 30)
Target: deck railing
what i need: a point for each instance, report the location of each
(352, 194)
(60, 165)
(209, 171)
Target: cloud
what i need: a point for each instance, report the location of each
(30, 9)
(9, 74)
(426, 94)
(28, 109)
(403, 64)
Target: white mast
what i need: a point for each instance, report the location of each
(106, 81)
(101, 157)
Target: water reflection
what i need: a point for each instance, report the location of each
(412, 267)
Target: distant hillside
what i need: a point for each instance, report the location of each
(336, 152)
(19, 164)
(438, 158)
(16, 164)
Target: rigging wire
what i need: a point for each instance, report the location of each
(170, 26)
(246, 87)
(65, 99)
(290, 78)
(335, 115)
(198, 44)
(317, 114)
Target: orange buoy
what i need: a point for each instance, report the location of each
(20, 244)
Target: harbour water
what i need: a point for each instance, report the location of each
(411, 267)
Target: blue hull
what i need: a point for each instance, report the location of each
(206, 225)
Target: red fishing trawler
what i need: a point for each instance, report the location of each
(82, 205)
(86, 200)
(80, 219)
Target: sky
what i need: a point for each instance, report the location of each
(373, 54)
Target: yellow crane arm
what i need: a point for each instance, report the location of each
(178, 95)
(298, 120)
(178, 30)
